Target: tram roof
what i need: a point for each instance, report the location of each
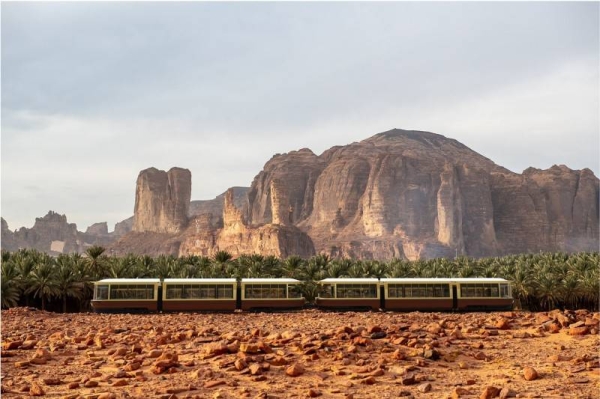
(445, 280)
(128, 281)
(199, 280)
(270, 281)
(349, 280)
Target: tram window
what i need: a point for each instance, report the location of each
(418, 291)
(479, 290)
(265, 291)
(357, 291)
(101, 292)
(132, 291)
(504, 291)
(327, 291)
(224, 291)
(294, 291)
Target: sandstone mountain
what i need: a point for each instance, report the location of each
(53, 234)
(420, 195)
(405, 194)
(162, 200)
(210, 226)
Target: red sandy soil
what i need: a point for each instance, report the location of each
(301, 354)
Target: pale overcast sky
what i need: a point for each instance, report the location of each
(92, 93)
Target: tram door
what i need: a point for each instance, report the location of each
(382, 297)
(159, 300)
(454, 297)
(238, 296)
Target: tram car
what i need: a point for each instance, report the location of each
(349, 294)
(126, 295)
(188, 294)
(411, 294)
(191, 294)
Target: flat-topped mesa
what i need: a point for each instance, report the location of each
(162, 200)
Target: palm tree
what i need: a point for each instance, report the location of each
(96, 261)
(10, 284)
(25, 262)
(292, 266)
(43, 283)
(67, 280)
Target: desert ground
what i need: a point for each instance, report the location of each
(301, 354)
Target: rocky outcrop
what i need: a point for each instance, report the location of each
(54, 235)
(162, 200)
(215, 205)
(420, 195)
(98, 229)
(542, 210)
(51, 233)
(237, 238)
(123, 227)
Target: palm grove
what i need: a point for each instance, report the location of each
(540, 281)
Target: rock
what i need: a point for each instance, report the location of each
(36, 390)
(529, 373)
(120, 383)
(240, 364)
(29, 344)
(373, 329)
(506, 212)
(502, 324)
(294, 370)
(239, 237)
(489, 392)
(506, 392)
(91, 384)
(459, 392)
(431, 354)
(378, 335)
(162, 200)
(249, 348)
(215, 349)
(22, 365)
(426, 387)
(52, 381)
(581, 330)
(73, 385)
(313, 393)
(11, 345)
(255, 369)
(214, 383)
(408, 379)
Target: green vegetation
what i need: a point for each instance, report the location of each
(540, 281)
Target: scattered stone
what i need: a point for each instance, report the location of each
(530, 374)
(295, 370)
(489, 392)
(426, 387)
(36, 390)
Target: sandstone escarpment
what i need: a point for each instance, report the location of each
(419, 194)
(123, 227)
(162, 200)
(237, 237)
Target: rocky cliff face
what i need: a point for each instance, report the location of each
(123, 227)
(162, 200)
(237, 238)
(419, 194)
(204, 232)
(53, 234)
(404, 194)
